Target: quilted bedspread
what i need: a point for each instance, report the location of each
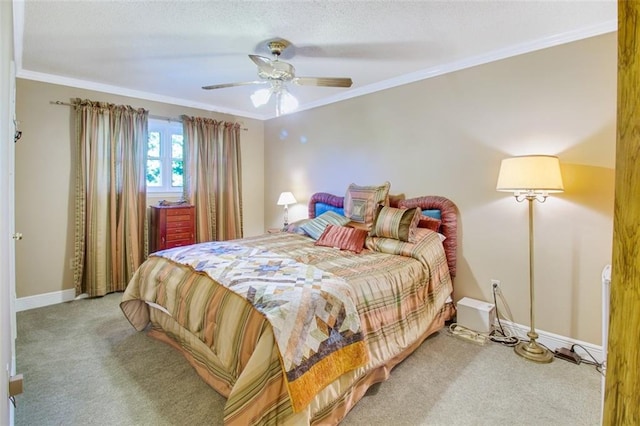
(314, 319)
(222, 305)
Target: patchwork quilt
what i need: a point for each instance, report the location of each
(314, 319)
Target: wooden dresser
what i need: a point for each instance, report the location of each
(171, 226)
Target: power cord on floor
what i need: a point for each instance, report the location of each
(513, 341)
(600, 366)
(499, 336)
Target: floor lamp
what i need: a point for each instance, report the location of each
(531, 178)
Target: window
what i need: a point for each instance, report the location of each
(165, 160)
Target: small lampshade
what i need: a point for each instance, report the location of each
(530, 173)
(260, 97)
(286, 102)
(286, 198)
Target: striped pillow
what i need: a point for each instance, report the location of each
(429, 223)
(399, 224)
(360, 202)
(315, 227)
(344, 238)
(424, 241)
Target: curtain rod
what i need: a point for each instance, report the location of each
(155, 117)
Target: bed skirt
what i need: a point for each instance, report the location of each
(329, 408)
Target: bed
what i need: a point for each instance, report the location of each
(228, 307)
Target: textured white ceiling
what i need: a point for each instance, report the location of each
(167, 50)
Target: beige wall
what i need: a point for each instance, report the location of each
(446, 136)
(44, 179)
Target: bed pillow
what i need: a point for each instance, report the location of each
(429, 223)
(296, 227)
(402, 248)
(399, 224)
(342, 237)
(315, 227)
(360, 202)
(394, 200)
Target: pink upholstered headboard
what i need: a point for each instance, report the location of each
(448, 227)
(448, 216)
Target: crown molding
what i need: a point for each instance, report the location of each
(496, 55)
(122, 91)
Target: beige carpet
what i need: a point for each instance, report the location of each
(83, 364)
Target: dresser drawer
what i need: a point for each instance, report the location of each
(171, 226)
(177, 235)
(177, 243)
(186, 223)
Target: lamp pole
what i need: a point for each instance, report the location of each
(286, 215)
(531, 350)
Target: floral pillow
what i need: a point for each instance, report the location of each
(399, 224)
(361, 202)
(343, 237)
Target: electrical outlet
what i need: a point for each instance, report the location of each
(495, 285)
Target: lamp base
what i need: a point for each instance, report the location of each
(533, 352)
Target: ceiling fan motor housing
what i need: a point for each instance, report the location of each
(277, 46)
(279, 71)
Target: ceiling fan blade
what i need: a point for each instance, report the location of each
(323, 81)
(222, 86)
(264, 64)
(405, 51)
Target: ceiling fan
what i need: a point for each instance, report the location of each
(277, 74)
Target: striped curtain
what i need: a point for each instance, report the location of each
(110, 198)
(212, 179)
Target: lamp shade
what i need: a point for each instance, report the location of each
(286, 198)
(538, 173)
(260, 97)
(286, 102)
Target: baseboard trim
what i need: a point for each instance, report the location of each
(46, 299)
(554, 341)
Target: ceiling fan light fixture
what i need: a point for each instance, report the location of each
(261, 97)
(278, 74)
(285, 102)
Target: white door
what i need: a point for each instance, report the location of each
(7, 231)
(15, 236)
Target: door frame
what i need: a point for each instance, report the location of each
(7, 217)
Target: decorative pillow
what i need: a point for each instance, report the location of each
(315, 227)
(342, 237)
(424, 238)
(360, 202)
(399, 224)
(429, 223)
(296, 227)
(395, 199)
(358, 225)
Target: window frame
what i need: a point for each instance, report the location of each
(166, 128)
